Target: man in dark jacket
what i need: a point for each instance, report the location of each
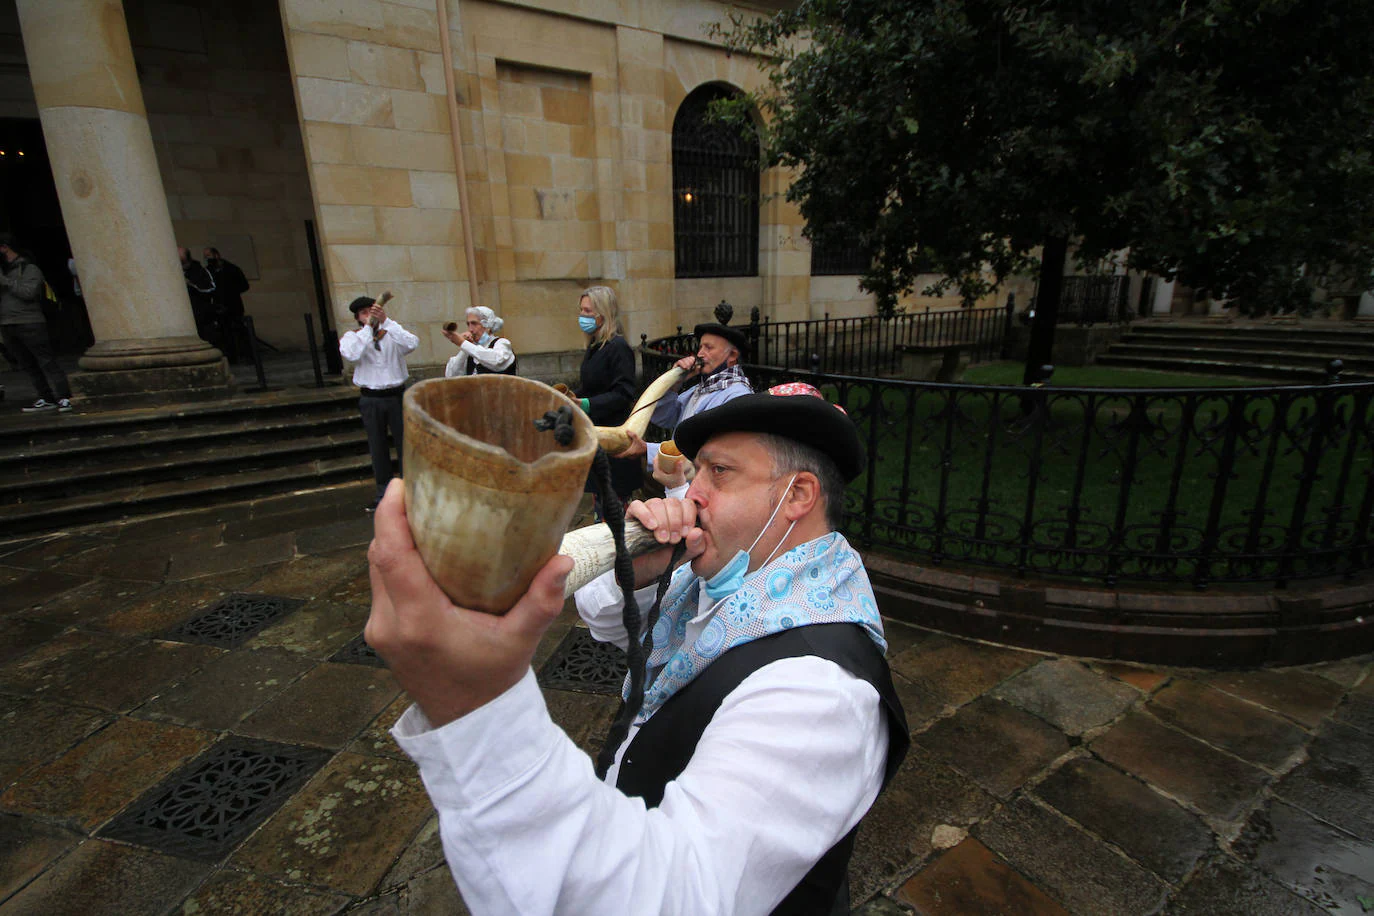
(200, 287)
(230, 285)
(25, 329)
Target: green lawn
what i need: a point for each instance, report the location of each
(1009, 373)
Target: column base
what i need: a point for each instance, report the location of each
(140, 373)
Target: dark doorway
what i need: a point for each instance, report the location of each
(29, 209)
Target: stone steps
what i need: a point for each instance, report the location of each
(1239, 340)
(1351, 364)
(1293, 375)
(66, 470)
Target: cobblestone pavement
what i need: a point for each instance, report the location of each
(131, 690)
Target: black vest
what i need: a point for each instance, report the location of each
(662, 748)
(476, 368)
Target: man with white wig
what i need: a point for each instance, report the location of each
(479, 349)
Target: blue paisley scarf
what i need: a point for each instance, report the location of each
(821, 581)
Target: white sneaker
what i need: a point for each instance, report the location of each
(64, 405)
(39, 406)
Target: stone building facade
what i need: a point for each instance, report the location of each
(263, 114)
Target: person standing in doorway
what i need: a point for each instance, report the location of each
(25, 328)
(200, 287)
(378, 348)
(230, 285)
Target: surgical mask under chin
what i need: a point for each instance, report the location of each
(731, 576)
(586, 323)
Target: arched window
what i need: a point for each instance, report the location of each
(715, 191)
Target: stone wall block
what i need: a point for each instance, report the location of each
(406, 27)
(437, 262)
(369, 263)
(361, 19)
(344, 225)
(398, 226)
(101, 76)
(378, 65)
(344, 103)
(330, 143)
(434, 189)
(391, 148)
(565, 106)
(341, 184)
(420, 111)
(528, 170)
(324, 56)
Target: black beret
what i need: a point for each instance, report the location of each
(807, 419)
(362, 302)
(734, 335)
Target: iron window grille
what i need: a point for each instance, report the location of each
(715, 191)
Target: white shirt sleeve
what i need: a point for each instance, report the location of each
(404, 338)
(787, 766)
(496, 357)
(351, 344)
(599, 604)
(456, 366)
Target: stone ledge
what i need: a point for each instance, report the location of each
(1309, 623)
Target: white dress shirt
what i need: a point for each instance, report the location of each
(791, 760)
(384, 368)
(496, 357)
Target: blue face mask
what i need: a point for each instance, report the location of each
(731, 576)
(587, 323)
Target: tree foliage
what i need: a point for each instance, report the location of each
(1225, 142)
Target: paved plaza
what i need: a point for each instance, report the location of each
(147, 666)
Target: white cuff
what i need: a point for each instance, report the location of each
(484, 751)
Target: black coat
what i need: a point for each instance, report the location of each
(230, 285)
(607, 381)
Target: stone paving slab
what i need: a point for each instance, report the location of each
(56, 664)
(1067, 695)
(316, 630)
(325, 708)
(160, 610)
(970, 880)
(926, 801)
(22, 635)
(231, 891)
(236, 557)
(1211, 781)
(26, 848)
(1157, 833)
(33, 732)
(226, 690)
(1301, 696)
(95, 780)
(1146, 680)
(309, 577)
(32, 588)
(376, 738)
(330, 834)
(995, 744)
(126, 680)
(88, 601)
(108, 878)
(1314, 860)
(1242, 728)
(941, 672)
(1088, 876)
(1223, 886)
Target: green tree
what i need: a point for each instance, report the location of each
(1224, 142)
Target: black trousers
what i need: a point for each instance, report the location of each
(381, 413)
(31, 348)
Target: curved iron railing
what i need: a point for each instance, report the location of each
(1169, 486)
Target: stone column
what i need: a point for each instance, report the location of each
(114, 207)
(1164, 298)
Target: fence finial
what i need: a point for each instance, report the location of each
(1333, 371)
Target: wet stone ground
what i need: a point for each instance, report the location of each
(143, 664)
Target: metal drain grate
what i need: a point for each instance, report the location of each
(204, 809)
(358, 652)
(583, 664)
(234, 619)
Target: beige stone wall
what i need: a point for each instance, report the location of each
(16, 89)
(566, 110)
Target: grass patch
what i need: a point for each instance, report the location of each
(1008, 373)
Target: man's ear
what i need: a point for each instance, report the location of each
(803, 497)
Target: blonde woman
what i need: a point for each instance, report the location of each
(606, 386)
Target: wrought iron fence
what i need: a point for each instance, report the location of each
(855, 346)
(1095, 300)
(1171, 486)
